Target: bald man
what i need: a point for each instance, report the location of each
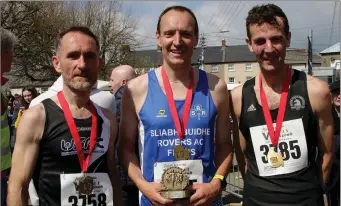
(120, 76)
(118, 79)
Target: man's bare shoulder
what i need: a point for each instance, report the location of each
(317, 88)
(236, 93)
(216, 84)
(32, 124)
(35, 113)
(138, 84)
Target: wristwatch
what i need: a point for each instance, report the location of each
(222, 179)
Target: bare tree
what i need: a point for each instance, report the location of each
(37, 24)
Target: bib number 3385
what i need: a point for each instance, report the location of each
(292, 146)
(102, 193)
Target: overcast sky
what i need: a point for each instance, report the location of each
(214, 16)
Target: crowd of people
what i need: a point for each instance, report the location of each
(78, 145)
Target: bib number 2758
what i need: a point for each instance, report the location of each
(89, 200)
(288, 150)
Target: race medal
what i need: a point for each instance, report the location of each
(275, 159)
(86, 185)
(174, 181)
(180, 153)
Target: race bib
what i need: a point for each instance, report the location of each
(292, 145)
(194, 169)
(101, 195)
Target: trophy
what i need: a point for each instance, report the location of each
(174, 179)
(174, 182)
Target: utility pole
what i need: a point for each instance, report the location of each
(310, 53)
(202, 44)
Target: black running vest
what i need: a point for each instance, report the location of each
(58, 154)
(300, 188)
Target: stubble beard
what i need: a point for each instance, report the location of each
(85, 86)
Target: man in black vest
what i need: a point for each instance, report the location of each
(282, 116)
(333, 186)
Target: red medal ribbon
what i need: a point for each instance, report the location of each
(180, 129)
(84, 164)
(274, 135)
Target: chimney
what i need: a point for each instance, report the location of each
(223, 44)
(223, 49)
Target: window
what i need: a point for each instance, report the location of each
(214, 68)
(248, 78)
(248, 67)
(231, 68)
(231, 80)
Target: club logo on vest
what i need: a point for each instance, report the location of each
(198, 111)
(161, 113)
(69, 147)
(297, 102)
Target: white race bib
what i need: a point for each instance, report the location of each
(292, 145)
(102, 193)
(194, 167)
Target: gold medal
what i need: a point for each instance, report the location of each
(275, 159)
(86, 185)
(180, 153)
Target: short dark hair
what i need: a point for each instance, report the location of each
(82, 29)
(266, 13)
(181, 9)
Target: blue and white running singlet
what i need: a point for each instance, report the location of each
(158, 136)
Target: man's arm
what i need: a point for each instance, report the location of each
(223, 145)
(25, 155)
(239, 143)
(114, 175)
(127, 139)
(320, 99)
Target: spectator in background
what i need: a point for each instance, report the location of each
(28, 93)
(16, 100)
(8, 41)
(10, 97)
(118, 80)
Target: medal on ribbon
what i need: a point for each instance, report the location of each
(85, 183)
(275, 158)
(175, 179)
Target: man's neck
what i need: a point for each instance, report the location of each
(273, 80)
(78, 99)
(179, 74)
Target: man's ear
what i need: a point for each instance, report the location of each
(288, 39)
(158, 39)
(249, 44)
(56, 64)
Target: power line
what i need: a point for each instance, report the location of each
(236, 16)
(215, 13)
(234, 11)
(227, 4)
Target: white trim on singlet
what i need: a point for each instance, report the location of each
(141, 148)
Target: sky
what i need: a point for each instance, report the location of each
(322, 17)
